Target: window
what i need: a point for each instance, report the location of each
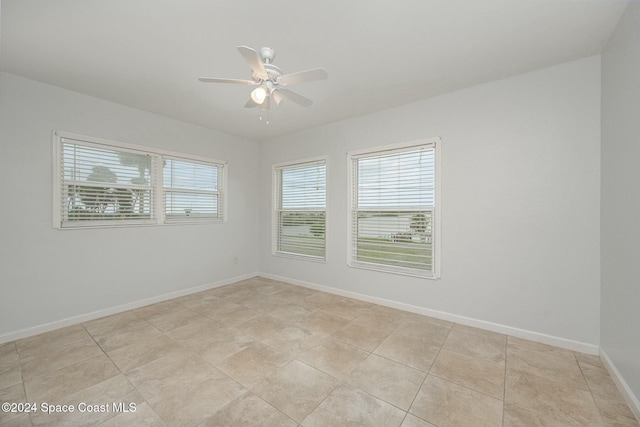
(191, 190)
(102, 183)
(394, 209)
(300, 209)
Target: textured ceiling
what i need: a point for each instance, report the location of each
(379, 54)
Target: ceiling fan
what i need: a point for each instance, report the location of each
(272, 84)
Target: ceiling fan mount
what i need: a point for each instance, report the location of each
(270, 79)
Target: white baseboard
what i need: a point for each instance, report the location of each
(74, 320)
(632, 399)
(490, 326)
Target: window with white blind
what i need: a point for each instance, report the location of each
(394, 209)
(191, 190)
(100, 183)
(300, 191)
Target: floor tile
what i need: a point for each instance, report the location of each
(480, 332)
(261, 327)
(55, 385)
(550, 399)
(250, 365)
(476, 374)
(42, 343)
(515, 416)
(22, 420)
(346, 308)
(543, 348)
(10, 373)
(293, 339)
(423, 330)
(289, 312)
(8, 352)
(120, 330)
(173, 319)
(365, 337)
(600, 382)
(207, 304)
(58, 357)
(416, 353)
(322, 298)
(413, 421)
(201, 329)
(547, 365)
(296, 389)
(490, 348)
(144, 416)
(159, 309)
(347, 406)
(590, 359)
(233, 316)
(446, 404)
(616, 412)
(12, 394)
(101, 396)
(219, 346)
(388, 380)
(142, 352)
(334, 357)
(171, 374)
(249, 410)
(321, 322)
(197, 401)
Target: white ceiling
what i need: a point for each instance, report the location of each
(379, 54)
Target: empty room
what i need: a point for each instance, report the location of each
(338, 213)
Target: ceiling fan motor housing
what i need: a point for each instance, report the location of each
(267, 54)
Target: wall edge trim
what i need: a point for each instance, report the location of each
(468, 321)
(74, 320)
(625, 390)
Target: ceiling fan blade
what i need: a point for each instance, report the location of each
(236, 81)
(277, 96)
(304, 76)
(250, 104)
(297, 98)
(265, 104)
(254, 60)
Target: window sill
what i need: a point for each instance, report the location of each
(403, 272)
(300, 257)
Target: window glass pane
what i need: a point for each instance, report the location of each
(303, 187)
(398, 239)
(191, 205)
(301, 201)
(403, 179)
(190, 176)
(191, 190)
(102, 184)
(302, 233)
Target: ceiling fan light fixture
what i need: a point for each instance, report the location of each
(259, 94)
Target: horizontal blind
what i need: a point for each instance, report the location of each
(301, 205)
(101, 184)
(393, 208)
(191, 190)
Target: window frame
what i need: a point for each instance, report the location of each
(275, 210)
(434, 273)
(158, 215)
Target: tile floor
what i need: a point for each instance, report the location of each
(261, 352)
